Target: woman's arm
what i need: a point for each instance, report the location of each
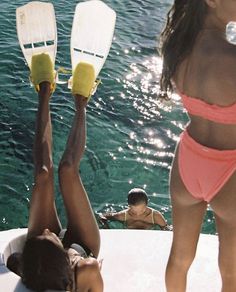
(120, 216)
(160, 221)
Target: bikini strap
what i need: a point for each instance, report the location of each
(125, 216)
(153, 222)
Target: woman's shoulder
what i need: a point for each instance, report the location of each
(223, 73)
(153, 211)
(220, 51)
(213, 71)
(88, 273)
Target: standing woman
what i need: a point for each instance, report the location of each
(201, 65)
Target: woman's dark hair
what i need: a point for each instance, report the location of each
(14, 263)
(45, 266)
(184, 21)
(137, 196)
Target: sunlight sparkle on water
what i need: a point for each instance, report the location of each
(172, 136)
(178, 125)
(146, 83)
(175, 97)
(131, 85)
(146, 161)
(141, 84)
(143, 150)
(112, 155)
(130, 146)
(98, 105)
(122, 95)
(132, 135)
(150, 133)
(164, 154)
(156, 142)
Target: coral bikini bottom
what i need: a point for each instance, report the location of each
(203, 170)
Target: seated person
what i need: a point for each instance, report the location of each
(138, 215)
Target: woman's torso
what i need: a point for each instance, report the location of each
(209, 74)
(144, 221)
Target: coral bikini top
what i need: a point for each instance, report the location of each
(212, 112)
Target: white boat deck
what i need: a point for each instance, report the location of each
(134, 261)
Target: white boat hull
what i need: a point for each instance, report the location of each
(134, 261)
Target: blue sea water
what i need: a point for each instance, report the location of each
(131, 136)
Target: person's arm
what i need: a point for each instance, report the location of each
(160, 221)
(120, 216)
(88, 276)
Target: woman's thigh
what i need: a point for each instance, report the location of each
(224, 203)
(82, 227)
(224, 207)
(42, 213)
(187, 214)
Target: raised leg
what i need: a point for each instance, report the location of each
(43, 212)
(82, 226)
(187, 216)
(224, 208)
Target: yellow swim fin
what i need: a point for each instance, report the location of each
(42, 69)
(83, 79)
